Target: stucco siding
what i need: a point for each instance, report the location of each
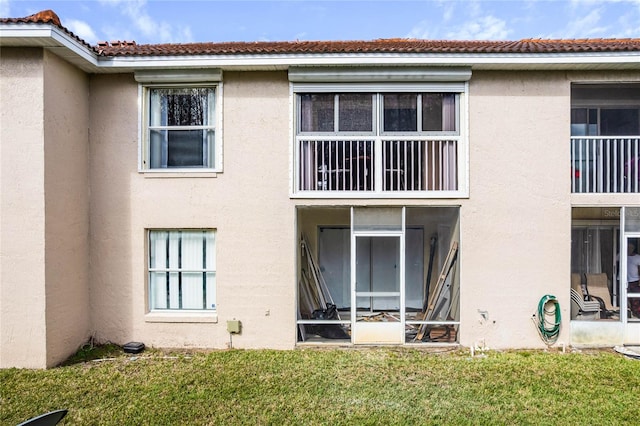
(112, 164)
(247, 205)
(515, 227)
(74, 182)
(66, 121)
(22, 199)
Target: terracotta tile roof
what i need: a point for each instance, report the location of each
(374, 46)
(44, 17)
(385, 46)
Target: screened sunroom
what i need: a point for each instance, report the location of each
(378, 275)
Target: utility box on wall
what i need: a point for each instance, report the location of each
(234, 326)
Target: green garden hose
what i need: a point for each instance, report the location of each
(549, 331)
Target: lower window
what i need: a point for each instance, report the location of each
(182, 270)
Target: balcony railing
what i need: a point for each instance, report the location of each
(605, 164)
(377, 165)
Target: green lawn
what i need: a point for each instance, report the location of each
(348, 386)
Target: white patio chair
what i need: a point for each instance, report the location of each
(583, 309)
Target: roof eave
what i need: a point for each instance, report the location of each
(495, 61)
(52, 38)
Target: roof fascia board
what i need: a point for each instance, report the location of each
(75, 46)
(505, 59)
(8, 31)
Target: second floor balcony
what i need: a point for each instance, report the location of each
(605, 164)
(605, 137)
(377, 165)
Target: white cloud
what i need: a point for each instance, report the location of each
(82, 30)
(599, 18)
(151, 30)
(113, 33)
(473, 7)
(628, 26)
(583, 26)
(449, 11)
(586, 25)
(461, 21)
(443, 12)
(422, 31)
(485, 28)
(187, 34)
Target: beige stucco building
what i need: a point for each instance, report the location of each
(430, 193)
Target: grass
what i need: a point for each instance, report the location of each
(353, 386)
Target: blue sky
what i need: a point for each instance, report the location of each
(162, 21)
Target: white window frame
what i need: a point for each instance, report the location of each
(460, 88)
(336, 117)
(598, 123)
(151, 308)
(176, 79)
(419, 124)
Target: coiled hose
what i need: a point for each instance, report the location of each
(549, 331)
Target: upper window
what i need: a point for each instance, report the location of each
(182, 270)
(605, 121)
(611, 109)
(419, 112)
(430, 113)
(330, 112)
(180, 128)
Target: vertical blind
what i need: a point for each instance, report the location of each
(182, 267)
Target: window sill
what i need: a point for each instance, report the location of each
(182, 317)
(179, 173)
